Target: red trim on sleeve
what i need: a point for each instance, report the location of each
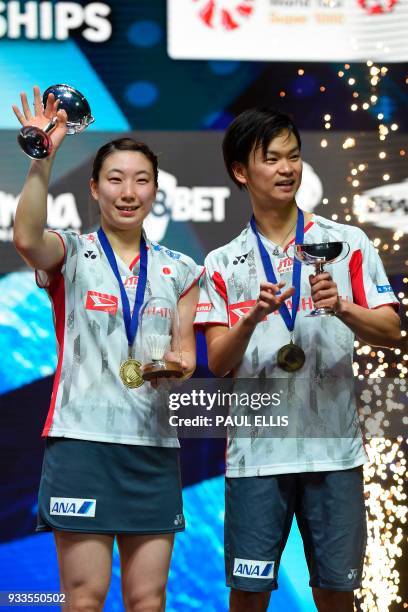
(221, 289)
(220, 286)
(356, 275)
(195, 281)
(57, 295)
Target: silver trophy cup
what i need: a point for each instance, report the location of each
(35, 142)
(318, 255)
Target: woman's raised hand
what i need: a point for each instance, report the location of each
(43, 116)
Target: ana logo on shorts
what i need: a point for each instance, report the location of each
(225, 14)
(352, 574)
(248, 568)
(72, 506)
(376, 7)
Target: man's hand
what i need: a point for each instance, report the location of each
(325, 292)
(268, 301)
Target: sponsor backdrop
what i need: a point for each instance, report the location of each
(306, 30)
(353, 126)
(195, 191)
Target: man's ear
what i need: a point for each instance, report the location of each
(240, 172)
(93, 186)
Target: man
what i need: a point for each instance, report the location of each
(268, 479)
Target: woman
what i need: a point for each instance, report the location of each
(111, 462)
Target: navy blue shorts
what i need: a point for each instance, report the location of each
(330, 512)
(101, 487)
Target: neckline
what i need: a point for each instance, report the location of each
(134, 260)
(307, 227)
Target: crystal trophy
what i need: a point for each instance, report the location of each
(160, 339)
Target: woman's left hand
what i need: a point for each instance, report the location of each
(163, 381)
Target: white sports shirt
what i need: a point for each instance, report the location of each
(324, 385)
(89, 401)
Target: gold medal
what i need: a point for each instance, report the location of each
(130, 373)
(291, 357)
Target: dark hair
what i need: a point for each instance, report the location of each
(254, 128)
(123, 144)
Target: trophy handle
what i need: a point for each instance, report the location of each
(50, 125)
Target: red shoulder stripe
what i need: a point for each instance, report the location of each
(356, 275)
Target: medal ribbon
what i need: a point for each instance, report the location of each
(131, 319)
(288, 318)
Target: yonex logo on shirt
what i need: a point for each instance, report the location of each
(72, 506)
(101, 301)
(249, 568)
(90, 254)
(240, 259)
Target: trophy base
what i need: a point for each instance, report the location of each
(321, 312)
(34, 142)
(162, 369)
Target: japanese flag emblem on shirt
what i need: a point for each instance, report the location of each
(168, 271)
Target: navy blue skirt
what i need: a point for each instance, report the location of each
(101, 487)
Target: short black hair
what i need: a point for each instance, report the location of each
(124, 144)
(254, 128)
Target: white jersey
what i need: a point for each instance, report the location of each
(89, 400)
(325, 383)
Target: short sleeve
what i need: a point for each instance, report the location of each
(189, 275)
(370, 285)
(70, 241)
(212, 307)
